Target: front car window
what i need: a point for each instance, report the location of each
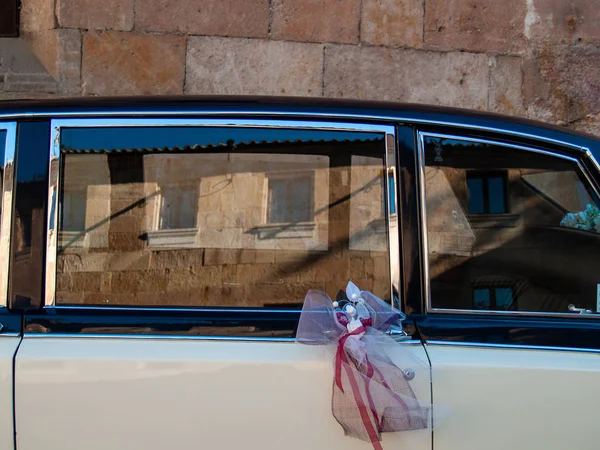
(219, 217)
(509, 229)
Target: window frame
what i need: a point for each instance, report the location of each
(387, 130)
(7, 164)
(421, 136)
(9, 26)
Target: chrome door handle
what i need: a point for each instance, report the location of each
(398, 333)
(573, 308)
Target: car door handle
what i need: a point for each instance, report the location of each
(398, 333)
(573, 308)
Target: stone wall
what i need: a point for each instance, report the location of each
(533, 58)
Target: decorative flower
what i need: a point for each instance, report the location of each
(587, 220)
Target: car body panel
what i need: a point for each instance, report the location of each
(154, 393)
(499, 398)
(9, 343)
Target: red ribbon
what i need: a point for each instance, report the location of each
(341, 359)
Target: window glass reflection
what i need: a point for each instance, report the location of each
(509, 229)
(219, 217)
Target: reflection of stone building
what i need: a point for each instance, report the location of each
(222, 228)
(495, 240)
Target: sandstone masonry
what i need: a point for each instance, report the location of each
(529, 58)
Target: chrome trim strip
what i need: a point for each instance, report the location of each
(476, 312)
(392, 217)
(222, 123)
(295, 114)
(53, 212)
(172, 337)
(511, 346)
(55, 161)
(423, 215)
(8, 166)
(157, 337)
(93, 308)
(10, 335)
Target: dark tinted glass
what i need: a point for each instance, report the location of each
(29, 220)
(476, 195)
(496, 188)
(509, 229)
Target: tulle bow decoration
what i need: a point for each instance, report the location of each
(370, 392)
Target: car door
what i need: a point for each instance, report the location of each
(512, 328)
(10, 326)
(179, 252)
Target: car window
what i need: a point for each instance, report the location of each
(219, 217)
(509, 229)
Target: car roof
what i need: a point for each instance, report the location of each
(266, 105)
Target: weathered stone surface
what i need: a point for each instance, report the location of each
(316, 20)
(506, 85)
(242, 18)
(126, 63)
(455, 79)
(562, 84)
(36, 15)
(95, 14)
(247, 66)
(560, 21)
(589, 124)
(59, 51)
(475, 25)
(21, 71)
(392, 23)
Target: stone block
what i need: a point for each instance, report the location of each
(475, 25)
(241, 18)
(224, 296)
(506, 86)
(196, 279)
(139, 260)
(455, 79)
(559, 21)
(125, 242)
(84, 262)
(85, 281)
(316, 20)
(220, 256)
(177, 259)
(116, 63)
(36, 15)
(94, 14)
(392, 23)
(561, 83)
(132, 282)
(21, 68)
(248, 66)
(589, 124)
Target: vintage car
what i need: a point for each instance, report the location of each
(155, 254)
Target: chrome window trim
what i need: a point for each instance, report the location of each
(150, 336)
(10, 335)
(510, 346)
(387, 130)
(295, 114)
(423, 217)
(8, 164)
(157, 337)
